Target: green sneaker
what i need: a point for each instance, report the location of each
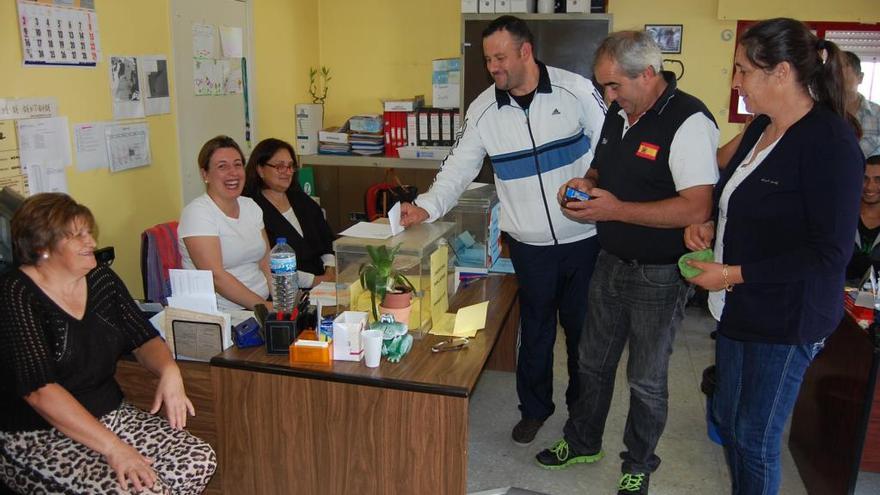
(561, 456)
(633, 484)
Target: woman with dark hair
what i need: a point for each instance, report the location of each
(289, 212)
(64, 322)
(222, 231)
(786, 213)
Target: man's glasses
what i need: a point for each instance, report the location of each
(281, 166)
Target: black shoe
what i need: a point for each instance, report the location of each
(561, 456)
(633, 484)
(524, 432)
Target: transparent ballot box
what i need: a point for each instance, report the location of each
(476, 239)
(413, 260)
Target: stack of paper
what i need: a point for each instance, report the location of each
(367, 230)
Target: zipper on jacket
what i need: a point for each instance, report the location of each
(540, 180)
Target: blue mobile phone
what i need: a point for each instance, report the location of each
(572, 194)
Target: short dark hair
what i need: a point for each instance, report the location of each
(513, 25)
(260, 156)
(873, 160)
(42, 221)
(854, 61)
(214, 144)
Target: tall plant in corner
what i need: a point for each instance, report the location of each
(380, 277)
(318, 84)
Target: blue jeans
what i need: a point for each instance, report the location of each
(642, 305)
(757, 386)
(552, 280)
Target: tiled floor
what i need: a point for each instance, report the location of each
(692, 464)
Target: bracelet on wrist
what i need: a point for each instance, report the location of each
(725, 278)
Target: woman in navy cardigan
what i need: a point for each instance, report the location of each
(270, 180)
(786, 211)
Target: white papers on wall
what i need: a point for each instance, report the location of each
(11, 174)
(128, 146)
(125, 88)
(28, 108)
(90, 144)
(207, 77)
(203, 41)
(59, 34)
(154, 82)
(44, 140)
(232, 81)
(46, 177)
(230, 41)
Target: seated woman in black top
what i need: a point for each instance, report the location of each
(289, 212)
(64, 322)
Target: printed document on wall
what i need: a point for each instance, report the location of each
(48, 176)
(43, 141)
(154, 81)
(128, 146)
(125, 88)
(11, 174)
(64, 34)
(90, 145)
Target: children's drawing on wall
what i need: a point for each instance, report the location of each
(125, 88)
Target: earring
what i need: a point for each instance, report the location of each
(206, 182)
(45, 255)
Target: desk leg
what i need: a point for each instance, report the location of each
(284, 434)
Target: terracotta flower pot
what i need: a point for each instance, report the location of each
(398, 305)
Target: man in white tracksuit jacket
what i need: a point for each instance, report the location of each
(539, 125)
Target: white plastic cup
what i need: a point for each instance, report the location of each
(372, 347)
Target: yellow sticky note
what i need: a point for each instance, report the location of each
(355, 289)
(439, 297)
(444, 324)
(471, 318)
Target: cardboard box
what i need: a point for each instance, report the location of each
(347, 328)
(577, 6)
(487, 6)
(469, 6)
(502, 6)
(446, 83)
(522, 6)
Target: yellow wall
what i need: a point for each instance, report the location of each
(127, 202)
(867, 11)
(285, 46)
(383, 48)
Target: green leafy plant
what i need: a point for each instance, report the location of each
(318, 84)
(379, 275)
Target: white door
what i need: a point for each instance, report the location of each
(200, 118)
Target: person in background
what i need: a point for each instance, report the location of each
(270, 180)
(864, 111)
(65, 426)
(652, 175)
(867, 250)
(786, 213)
(222, 231)
(539, 125)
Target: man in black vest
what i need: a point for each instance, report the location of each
(652, 175)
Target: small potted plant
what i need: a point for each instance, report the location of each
(386, 284)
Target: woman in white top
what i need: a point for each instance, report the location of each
(222, 231)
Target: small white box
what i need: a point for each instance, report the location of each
(502, 5)
(347, 328)
(487, 6)
(577, 6)
(522, 6)
(469, 7)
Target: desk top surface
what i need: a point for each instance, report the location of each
(448, 373)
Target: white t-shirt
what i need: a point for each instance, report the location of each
(241, 241)
(717, 298)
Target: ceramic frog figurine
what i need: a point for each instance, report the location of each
(396, 342)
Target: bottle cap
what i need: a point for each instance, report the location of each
(281, 240)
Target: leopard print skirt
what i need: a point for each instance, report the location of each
(49, 462)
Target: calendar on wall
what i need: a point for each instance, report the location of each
(59, 32)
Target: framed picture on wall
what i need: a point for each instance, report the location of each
(667, 36)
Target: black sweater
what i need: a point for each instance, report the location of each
(40, 343)
(316, 239)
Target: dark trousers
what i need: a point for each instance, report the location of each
(757, 387)
(642, 305)
(552, 279)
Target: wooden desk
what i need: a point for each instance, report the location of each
(346, 428)
(835, 431)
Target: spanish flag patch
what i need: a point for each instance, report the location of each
(647, 150)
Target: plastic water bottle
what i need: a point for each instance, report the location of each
(285, 286)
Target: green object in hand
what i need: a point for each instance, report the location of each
(688, 271)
